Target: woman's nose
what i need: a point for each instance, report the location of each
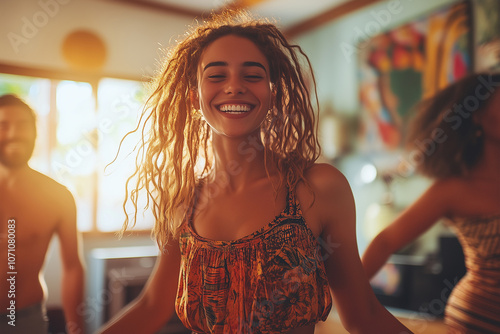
(235, 86)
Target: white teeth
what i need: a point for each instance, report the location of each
(234, 108)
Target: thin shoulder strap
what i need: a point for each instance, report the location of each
(197, 192)
(292, 205)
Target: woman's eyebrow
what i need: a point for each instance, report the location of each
(254, 63)
(245, 64)
(215, 63)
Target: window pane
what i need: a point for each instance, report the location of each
(74, 155)
(120, 104)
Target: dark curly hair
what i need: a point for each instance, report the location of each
(443, 130)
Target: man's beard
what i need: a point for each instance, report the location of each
(17, 157)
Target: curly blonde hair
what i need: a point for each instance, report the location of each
(176, 140)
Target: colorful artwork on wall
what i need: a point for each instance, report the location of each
(401, 66)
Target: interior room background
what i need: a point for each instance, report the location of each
(86, 105)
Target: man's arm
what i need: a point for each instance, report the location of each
(73, 270)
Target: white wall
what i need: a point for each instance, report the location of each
(32, 33)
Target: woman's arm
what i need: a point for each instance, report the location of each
(358, 308)
(156, 303)
(409, 225)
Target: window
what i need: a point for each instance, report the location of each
(119, 102)
(80, 126)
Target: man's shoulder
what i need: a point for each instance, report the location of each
(48, 185)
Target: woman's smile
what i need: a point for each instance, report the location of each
(235, 108)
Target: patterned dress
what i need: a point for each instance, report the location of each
(474, 304)
(270, 281)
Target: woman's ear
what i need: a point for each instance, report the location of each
(195, 100)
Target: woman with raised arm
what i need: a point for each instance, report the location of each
(458, 135)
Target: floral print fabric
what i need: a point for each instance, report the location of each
(270, 281)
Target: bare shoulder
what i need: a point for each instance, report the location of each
(448, 184)
(325, 179)
(326, 198)
(447, 190)
(50, 189)
(465, 196)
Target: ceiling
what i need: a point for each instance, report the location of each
(290, 14)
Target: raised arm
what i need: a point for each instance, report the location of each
(156, 303)
(73, 271)
(409, 225)
(358, 308)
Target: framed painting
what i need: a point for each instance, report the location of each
(402, 66)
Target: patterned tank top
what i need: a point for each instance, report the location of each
(270, 281)
(474, 304)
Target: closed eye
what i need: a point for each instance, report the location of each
(254, 77)
(216, 77)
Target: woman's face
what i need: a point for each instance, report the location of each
(234, 86)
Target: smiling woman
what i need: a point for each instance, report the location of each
(250, 243)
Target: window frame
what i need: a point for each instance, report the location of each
(92, 78)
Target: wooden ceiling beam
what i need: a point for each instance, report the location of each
(309, 24)
(179, 10)
(241, 4)
(328, 16)
(171, 9)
